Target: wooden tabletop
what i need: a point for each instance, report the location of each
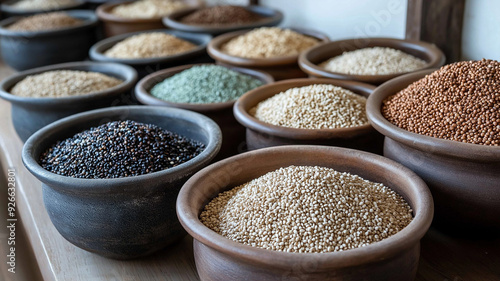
(443, 258)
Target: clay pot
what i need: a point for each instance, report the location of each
(280, 67)
(464, 178)
(309, 60)
(219, 258)
(260, 134)
(270, 16)
(123, 217)
(233, 133)
(9, 11)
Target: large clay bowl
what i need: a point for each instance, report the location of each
(219, 258)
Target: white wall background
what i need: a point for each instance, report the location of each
(481, 30)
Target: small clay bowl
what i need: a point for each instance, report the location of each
(233, 141)
(270, 16)
(125, 217)
(29, 49)
(31, 114)
(309, 60)
(115, 25)
(9, 11)
(147, 66)
(464, 178)
(219, 258)
(280, 67)
(260, 134)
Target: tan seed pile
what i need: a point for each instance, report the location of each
(42, 4)
(459, 102)
(318, 106)
(268, 42)
(147, 9)
(149, 45)
(373, 61)
(50, 21)
(63, 83)
(305, 209)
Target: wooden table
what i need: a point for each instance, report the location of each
(443, 258)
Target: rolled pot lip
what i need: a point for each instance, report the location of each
(127, 73)
(244, 118)
(438, 59)
(215, 52)
(381, 250)
(90, 20)
(456, 149)
(7, 8)
(96, 52)
(173, 20)
(144, 96)
(116, 185)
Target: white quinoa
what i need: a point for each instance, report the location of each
(306, 209)
(318, 106)
(42, 4)
(148, 9)
(149, 45)
(50, 21)
(268, 42)
(63, 83)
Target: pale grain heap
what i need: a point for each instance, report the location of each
(42, 4)
(147, 9)
(49, 21)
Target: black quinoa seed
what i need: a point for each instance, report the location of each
(119, 149)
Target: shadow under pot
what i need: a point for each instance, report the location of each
(146, 66)
(29, 114)
(233, 140)
(125, 217)
(23, 50)
(8, 10)
(464, 178)
(260, 134)
(280, 68)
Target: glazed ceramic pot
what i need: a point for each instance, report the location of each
(260, 134)
(30, 114)
(23, 50)
(464, 178)
(10, 11)
(270, 17)
(219, 258)
(147, 66)
(233, 141)
(309, 60)
(122, 217)
(280, 67)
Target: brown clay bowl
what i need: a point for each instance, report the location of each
(280, 67)
(464, 178)
(233, 134)
(219, 258)
(309, 60)
(260, 134)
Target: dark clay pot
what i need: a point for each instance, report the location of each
(270, 16)
(149, 65)
(31, 114)
(219, 258)
(464, 178)
(233, 141)
(280, 68)
(124, 217)
(9, 11)
(23, 50)
(260, 134)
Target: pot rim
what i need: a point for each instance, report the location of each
(116, 185)
(456, 149)
(404, 239)
(144, 96)
(215, 52)
(242, 106)
(7, 8)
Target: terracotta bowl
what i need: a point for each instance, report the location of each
(280, 68)
(233, 133)
(30, 114)
(123, 217)
(309, 60)
(219, 258)
(260, 134)
(270, 16)
(9, 11)
(464, 178)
